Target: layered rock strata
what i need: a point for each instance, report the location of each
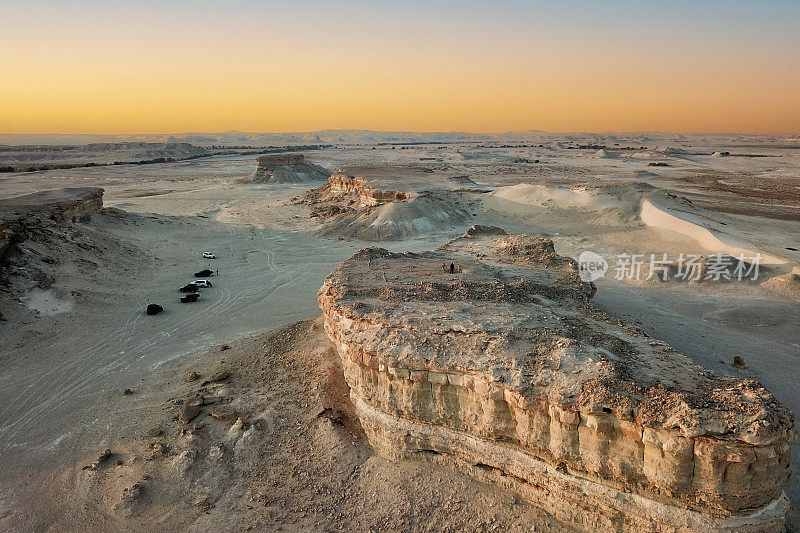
(356, 189)
(352, 206)
(506, 368)
(22, 214)
(286, 168)
(344, 191)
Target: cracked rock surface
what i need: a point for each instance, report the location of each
(506, 366)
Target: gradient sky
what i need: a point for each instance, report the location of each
(156, 67)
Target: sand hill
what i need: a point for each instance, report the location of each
(785, 284)
(604, 154)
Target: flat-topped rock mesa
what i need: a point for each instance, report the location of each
(286, 168)
(31, 158)
(505, 368)
(272, 161)
(365, 208)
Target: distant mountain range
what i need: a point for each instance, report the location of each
(241, 138)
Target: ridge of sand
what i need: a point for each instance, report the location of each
(562, 197)
(692, 227)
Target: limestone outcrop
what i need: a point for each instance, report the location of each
(23, 214)
(34, 217)
(286, 168)
(505, 368)
(346, 192)
(353, 206)
(356, 191)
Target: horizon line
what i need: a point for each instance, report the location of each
(442, 131)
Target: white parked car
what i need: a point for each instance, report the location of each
(202, 283)
(209, 255)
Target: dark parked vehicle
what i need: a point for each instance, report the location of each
(154, 309)
(190, 287)
(190, 297)
(204, 273)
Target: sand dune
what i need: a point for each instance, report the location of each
(563, 197)
(604, 154)
(693, 227)
(786, 284)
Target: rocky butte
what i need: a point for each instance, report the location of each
(354, 206)
(346, 192)
(286, 168)
(507, 370)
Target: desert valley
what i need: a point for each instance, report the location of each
(433, 332)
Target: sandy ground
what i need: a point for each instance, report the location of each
(276, 447)
(66, 359)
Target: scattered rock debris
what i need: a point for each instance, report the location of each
(189, 413)
(222, 375)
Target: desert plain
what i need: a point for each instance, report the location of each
(233, 412)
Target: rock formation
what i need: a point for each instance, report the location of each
(506, 369)
(33, 158)
(286, 168)
(22, 214)
(353, 206)
(41, 218)
(351, 192)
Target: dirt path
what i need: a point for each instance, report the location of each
(57, 370)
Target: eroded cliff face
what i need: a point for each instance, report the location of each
(286, 168)
(40, 220)
(356, 189)
(22, 215)
(343, 192)
(506, 368)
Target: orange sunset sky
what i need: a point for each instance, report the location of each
(157, 67)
